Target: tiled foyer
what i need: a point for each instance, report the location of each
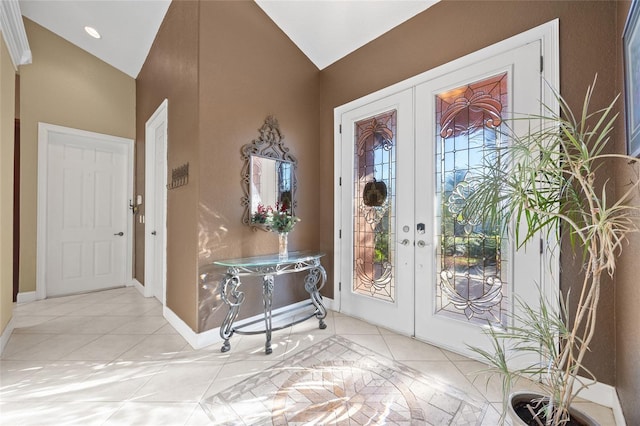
(110, 358)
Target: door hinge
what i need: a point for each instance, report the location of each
(340, 286)
(541, 246)
(340, 233)
(339, 181)
(541, 63)
(340, 128)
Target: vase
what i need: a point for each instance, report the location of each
(283, 251)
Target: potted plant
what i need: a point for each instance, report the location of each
(555, 180)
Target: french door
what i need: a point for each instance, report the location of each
(377, 183)
(409, 261)
(469, 276)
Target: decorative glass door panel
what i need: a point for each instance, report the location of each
(468, 278)
(471, 280)
(374, 202)
(376, 260)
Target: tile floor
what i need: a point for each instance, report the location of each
(110, 358)
(339, 382)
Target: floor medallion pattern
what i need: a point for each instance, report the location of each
(338, 382)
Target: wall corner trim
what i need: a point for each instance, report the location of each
(6, 334)
(15, 36)
(26, 297)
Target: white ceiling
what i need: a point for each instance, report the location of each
(127, 27)
(325, 30)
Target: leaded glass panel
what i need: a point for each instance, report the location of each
(374, 204)
(471, 258)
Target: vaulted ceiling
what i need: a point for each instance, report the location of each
(325, 30)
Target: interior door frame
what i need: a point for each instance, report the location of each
(150, 185)
(16, 209)
(548, 34)
(44, 131)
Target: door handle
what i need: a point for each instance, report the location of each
(405, 242)
(120, 233)
(421, 244)
(153, 232)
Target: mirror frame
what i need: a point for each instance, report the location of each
(269, 145)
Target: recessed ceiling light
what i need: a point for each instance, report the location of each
(92, 32)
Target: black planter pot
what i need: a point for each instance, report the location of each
(520, 416)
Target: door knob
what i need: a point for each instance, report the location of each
(153, 232)
(421, 244)
(120, 233)
(405, 242)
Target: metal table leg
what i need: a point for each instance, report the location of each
(228, 291)
(315, 276)
(267, 298)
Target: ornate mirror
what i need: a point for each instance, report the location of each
(268, 174)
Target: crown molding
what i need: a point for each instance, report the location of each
(15, 36)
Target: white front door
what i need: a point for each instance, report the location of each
(466, 275)
(377, 217)
(85, 196)
(156, 202)
(412, 264)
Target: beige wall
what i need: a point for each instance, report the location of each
(224, 66)
(171, 72)
(250, 69)
(7, 117)
(69, 87)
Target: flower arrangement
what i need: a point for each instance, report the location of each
(278, 219)
(261, 214)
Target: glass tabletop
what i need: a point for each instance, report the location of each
(270, 259)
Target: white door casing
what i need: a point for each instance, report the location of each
(545, 38)
(156, 203)
(84, 182)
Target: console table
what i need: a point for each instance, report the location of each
(268, 267)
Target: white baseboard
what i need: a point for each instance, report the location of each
(26, 297)
(618, 415)
(607, 396)
(6, 334)
(330, 304)
(144, 290)
(196, 340)
(210, 337)
(138, 285)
